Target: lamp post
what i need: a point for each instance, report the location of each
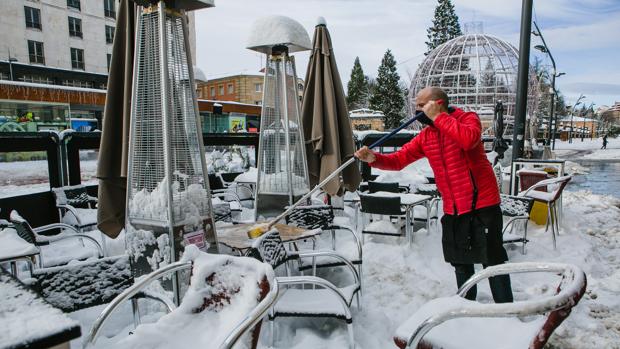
(545, 49)
(572, 114)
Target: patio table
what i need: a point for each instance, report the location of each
(28, 321)
(236, 236)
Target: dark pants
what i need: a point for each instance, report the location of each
(458, 227)
(500, 285)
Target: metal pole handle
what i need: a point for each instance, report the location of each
(338, 170)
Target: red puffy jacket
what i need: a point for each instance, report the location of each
(455, 152)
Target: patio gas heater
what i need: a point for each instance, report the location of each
(168, 197)
(282, 168)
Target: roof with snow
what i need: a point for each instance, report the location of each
(270, 31)
(365, 113)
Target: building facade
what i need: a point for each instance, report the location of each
(242, 88)
(366, 119)
(71, 35)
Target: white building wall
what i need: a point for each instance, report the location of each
(55, 33)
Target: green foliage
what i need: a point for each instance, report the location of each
(445, 25)
(388, 95)
(357, 88)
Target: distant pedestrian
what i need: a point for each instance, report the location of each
(604, 142)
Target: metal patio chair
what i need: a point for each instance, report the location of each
(550, 198)
(455, 322)
(517, 209)
(325, 300)
(31, 235)
(383, 206)
(76, 207)
(211, 278)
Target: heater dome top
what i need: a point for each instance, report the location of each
(271, 31)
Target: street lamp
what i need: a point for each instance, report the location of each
(545, 49)
(572, 114)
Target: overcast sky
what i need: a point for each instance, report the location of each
(583, 36)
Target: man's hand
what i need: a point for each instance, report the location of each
(432, 109)
(365, 155)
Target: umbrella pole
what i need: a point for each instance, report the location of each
(337, 172)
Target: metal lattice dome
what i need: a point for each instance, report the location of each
(476, 70)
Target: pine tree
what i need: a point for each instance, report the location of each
(445, 25)
(357, 88)
(388, 96)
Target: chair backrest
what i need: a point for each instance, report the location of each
(270, 249)
(382, 205)
(215, 182)
(24, 230)
(374, 187)
(222, 212)
(528, 178)
(76, 196)
(311, 217)
(513, 206)
(561, 184)
(229, 176)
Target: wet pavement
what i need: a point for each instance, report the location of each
(604, 177)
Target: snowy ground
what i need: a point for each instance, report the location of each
(589, 149)
(398, 279)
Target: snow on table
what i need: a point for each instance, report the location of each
(27, 321)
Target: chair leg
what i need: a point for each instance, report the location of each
(14, 268)
(524, 236)
(552, 218)
(272, 328)
(136, 312)
(548, 218)
(351, 337)
(333, 235)
(557, 218)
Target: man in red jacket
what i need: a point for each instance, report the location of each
(472, 221)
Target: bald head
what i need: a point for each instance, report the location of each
(431, 94)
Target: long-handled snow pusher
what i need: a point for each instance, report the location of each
(259, 229)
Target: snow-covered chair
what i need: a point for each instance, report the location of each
(227, 297)
(392, 187)
(322, 217)
(550, 198)
(517, 209)
(323, 300)
(76, 207)
(32, 236)
(455, 322)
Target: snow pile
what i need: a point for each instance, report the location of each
(188, 206)
(11, 245)
(249, 176)
(234, 159)
(412, 175)
(222, 291)
(25, 317)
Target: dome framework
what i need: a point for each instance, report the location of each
(476, 70)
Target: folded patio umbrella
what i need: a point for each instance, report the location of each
(113, 149)
(325, 118)
(499, 144)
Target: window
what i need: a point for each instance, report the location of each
(78, 83)
(74, 4)
(77, 58)
(212, 91)
(35, 52)
(108, 8)
(33, 17)
(258, 87)
(75, 27)
(109, 57)
(37, 79)
(258, 102)
(109, 34)
(221, 90)
(231, 88)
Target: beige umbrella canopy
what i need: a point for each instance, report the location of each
(112, 166)
(325, 118)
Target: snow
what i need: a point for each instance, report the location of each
(249, 176)
(270, 31)
(189, 205)
(230, 283)
(11, 245)
(25, 317)
(589, 149)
